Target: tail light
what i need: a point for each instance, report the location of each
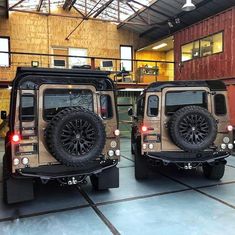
(15, 138)
(230, 128)
(144, 128)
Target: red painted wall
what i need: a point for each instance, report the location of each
(214, 66)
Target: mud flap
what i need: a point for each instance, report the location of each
(18, 190)
(106, 179)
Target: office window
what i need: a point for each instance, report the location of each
(59, 60)
(190, 51)
(203, 47)
(126, 53)
(4, 46)
(76, 61)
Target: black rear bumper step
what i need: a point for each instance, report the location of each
(61, 171)
(181, 158)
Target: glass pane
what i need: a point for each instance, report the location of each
(57, 100)
(220, 105)
(153, 105)
(27, 108)
(4, 58)
(126, 53)
(76, 61)
(190, 51)
(106, 106)
(206, 46)
(180, 99)
(218, 43)
(60, 61)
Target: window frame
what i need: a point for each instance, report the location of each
(9, 51)
(200, 39)
(32, 117)
(148, 114)
(130, 46)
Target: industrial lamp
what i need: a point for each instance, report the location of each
(188, 6)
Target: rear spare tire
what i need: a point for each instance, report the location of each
(75, 136)
(193, 129)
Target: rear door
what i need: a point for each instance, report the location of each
(175, 98)
(53, 99)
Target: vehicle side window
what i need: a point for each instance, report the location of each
(220, 104)
(27, 107)
(106, 107)
(153, 106)
(140, 107)
(178, 99)
(56, 100)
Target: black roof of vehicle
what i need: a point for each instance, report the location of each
(213, 85)
(32, 78)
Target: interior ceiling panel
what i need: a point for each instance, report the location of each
(170, 17)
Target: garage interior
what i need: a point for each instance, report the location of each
(138, 42)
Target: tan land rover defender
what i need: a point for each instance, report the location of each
(62, 126)
(185, 123)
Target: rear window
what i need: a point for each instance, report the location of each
(179, 99)
(220, 104)
(27, 107)
(106, 107)
(57, 99)
(153, 105)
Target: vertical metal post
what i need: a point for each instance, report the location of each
(118, 5)
(85, 7)
(92, 63)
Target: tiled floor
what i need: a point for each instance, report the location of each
(170, 202)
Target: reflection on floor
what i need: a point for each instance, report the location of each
(170, 202)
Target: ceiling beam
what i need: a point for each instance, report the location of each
(151, 8)
(76, 9)
(15, 5)
(137, 13)
(103, 8)
(39, 5)
(67, 4)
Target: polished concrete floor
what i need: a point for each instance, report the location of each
(170, 202)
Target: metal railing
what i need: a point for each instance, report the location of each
(143, 71)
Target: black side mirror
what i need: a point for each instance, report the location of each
(130, 112)
(3, 115)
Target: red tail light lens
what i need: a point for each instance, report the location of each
(144, 128)
(230, 127)
(15, 138)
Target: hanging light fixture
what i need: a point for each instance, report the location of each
(188, 6)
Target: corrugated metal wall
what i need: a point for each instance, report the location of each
(211, 67)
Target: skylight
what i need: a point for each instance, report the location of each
(113, 10)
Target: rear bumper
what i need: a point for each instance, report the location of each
(182, 157)
(61, 171)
